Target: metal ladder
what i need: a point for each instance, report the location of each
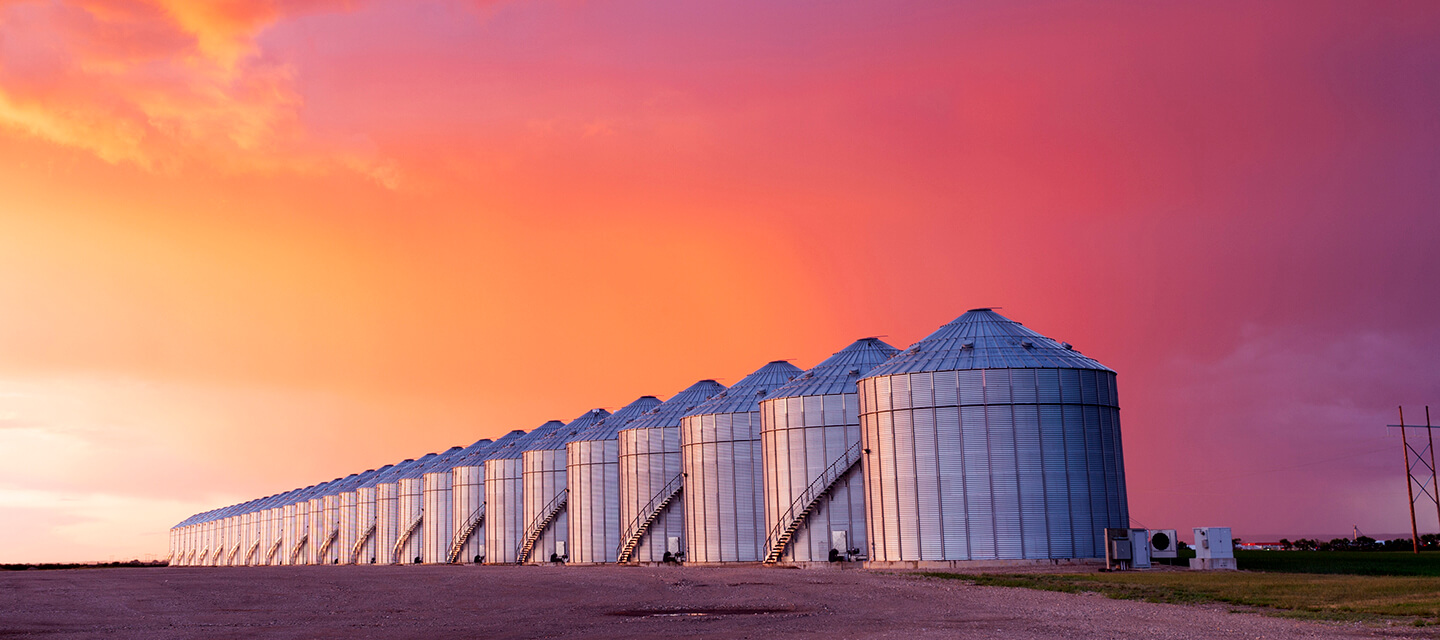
(360, 544)
(295, 553)
(542, 521)
(806, 502)
(637, 528)
(405, 537)
(325, 546)
(471, 524)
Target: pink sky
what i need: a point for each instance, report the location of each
(257, 245)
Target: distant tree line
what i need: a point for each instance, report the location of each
(1362, 543)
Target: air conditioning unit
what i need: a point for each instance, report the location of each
(1164, 544)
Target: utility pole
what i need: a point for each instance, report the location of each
(1412, 459)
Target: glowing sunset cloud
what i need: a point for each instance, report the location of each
(248, 246)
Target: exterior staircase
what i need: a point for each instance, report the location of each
(273, 549)
(405, 537)
(542, 522)
(466, 530)
(299, 546)
(325, 546)
(360, 544)
(806, 502)
(637, 527)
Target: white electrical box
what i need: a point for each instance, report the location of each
(1164, 544)
(1213, 542)
(840, 541)
(672, 544)
(1214, 549)
(560, 548)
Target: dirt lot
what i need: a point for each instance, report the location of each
(573, 602)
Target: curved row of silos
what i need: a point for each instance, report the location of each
(984, 441)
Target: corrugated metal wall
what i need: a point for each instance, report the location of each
(467, 494)
(593, 474)
(412, 504)
(544, 477)
(801, 437)
(387, 522)
(439, 521)
(504, 509)
(649, 459)
(992, 464)
(724, 511)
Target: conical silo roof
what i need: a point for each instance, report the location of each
(556, 439)
(505, 443)
(609, 428)
(522, 444)
(983, 339)
(838, 373)
(431, 462)
(745, 396)
(668, 414)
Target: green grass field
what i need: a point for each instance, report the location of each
(1331, 585)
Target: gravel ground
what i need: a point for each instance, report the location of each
(436, 602)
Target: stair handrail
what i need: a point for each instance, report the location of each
(405, 537)
(472, 523)
(643, 518)
(325, 546)
(821, 485)
(299, 545)
(274, 548)
(360, 544)
(537, 527)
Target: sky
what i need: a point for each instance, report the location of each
(247, 246)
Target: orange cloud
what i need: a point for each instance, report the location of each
(160, 82)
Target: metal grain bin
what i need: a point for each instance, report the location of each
(439, 528)
(592, 469)
(547, 530)
(505, 496)
(810, 443)
(407, 548)
(467, 498)
(724, 481)
(349, 525)
(651, 513)
(367, 514)
(388, 523)
(989, 441)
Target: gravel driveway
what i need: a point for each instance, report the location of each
(438, 602)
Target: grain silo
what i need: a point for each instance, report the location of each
(504, 497)
(989, 441)
(592, 476)
(439, 528)
(411, 484)
(388, 522)
(724, 480)
(545, 494)
(467, 500)
(651, 515)
(810, 439)
(367, 519)
(349, 516)
(328, 545)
